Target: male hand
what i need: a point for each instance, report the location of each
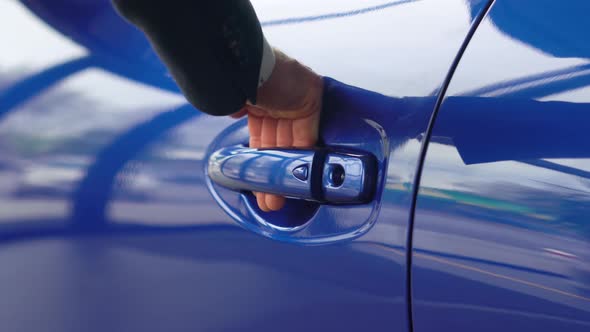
(287, 114)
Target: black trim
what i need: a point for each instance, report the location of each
(423, 151)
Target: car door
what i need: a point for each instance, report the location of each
(109, 220)
(501, 236)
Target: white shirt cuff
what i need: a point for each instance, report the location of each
(268, 62)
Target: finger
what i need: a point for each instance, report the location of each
(284, 139)
(239, 113)
(268, 140)
(261, 199)
(259, 112)
(269, 132)
(284, 133)
(255, 129)
(274, 202)
(305, 131)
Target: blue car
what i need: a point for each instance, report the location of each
(462, 204)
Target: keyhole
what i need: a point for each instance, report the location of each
(336, 175)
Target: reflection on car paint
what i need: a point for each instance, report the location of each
(133, 238)
(501, 216)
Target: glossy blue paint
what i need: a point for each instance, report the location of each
(501, 223)
(105, 219)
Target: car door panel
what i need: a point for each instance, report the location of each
(107, 222)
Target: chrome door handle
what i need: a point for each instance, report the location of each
(319, 175)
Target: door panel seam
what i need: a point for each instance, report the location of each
(424, 150)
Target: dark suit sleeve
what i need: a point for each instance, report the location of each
(213, 49)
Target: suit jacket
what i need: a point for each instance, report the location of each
(213, 49)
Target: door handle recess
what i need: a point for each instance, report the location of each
(318, 175)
